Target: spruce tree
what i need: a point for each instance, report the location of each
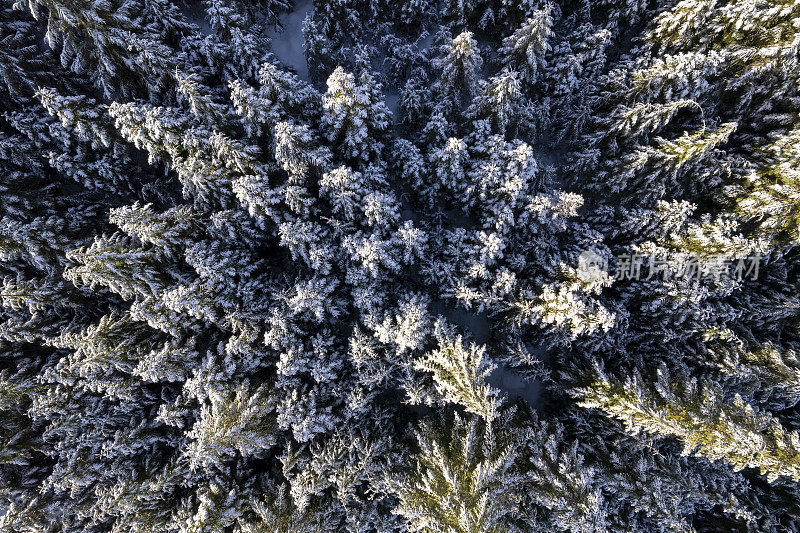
(482, 266)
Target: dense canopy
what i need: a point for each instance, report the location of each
(386, 266)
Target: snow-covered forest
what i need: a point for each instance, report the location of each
(378, 266)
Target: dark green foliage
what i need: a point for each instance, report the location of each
(398, 296)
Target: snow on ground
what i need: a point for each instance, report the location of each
(196, 14)
(425, 41)
(287, 42)
(514, 386)
(475, 323)
(393, 103)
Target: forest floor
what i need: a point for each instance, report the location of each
(288, 40)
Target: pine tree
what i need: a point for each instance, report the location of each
(459, 63)
(459, 374)
(661, 169)
(22, 69)
(769, 194)
(556, 478)
(525, 49)
(698, 414)
(279, 513)
(102, 38)
(497, 100)
(235, 421)
(205, 162)
(460, 480)
(167, 232)
(355, 115)
(114, 263)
